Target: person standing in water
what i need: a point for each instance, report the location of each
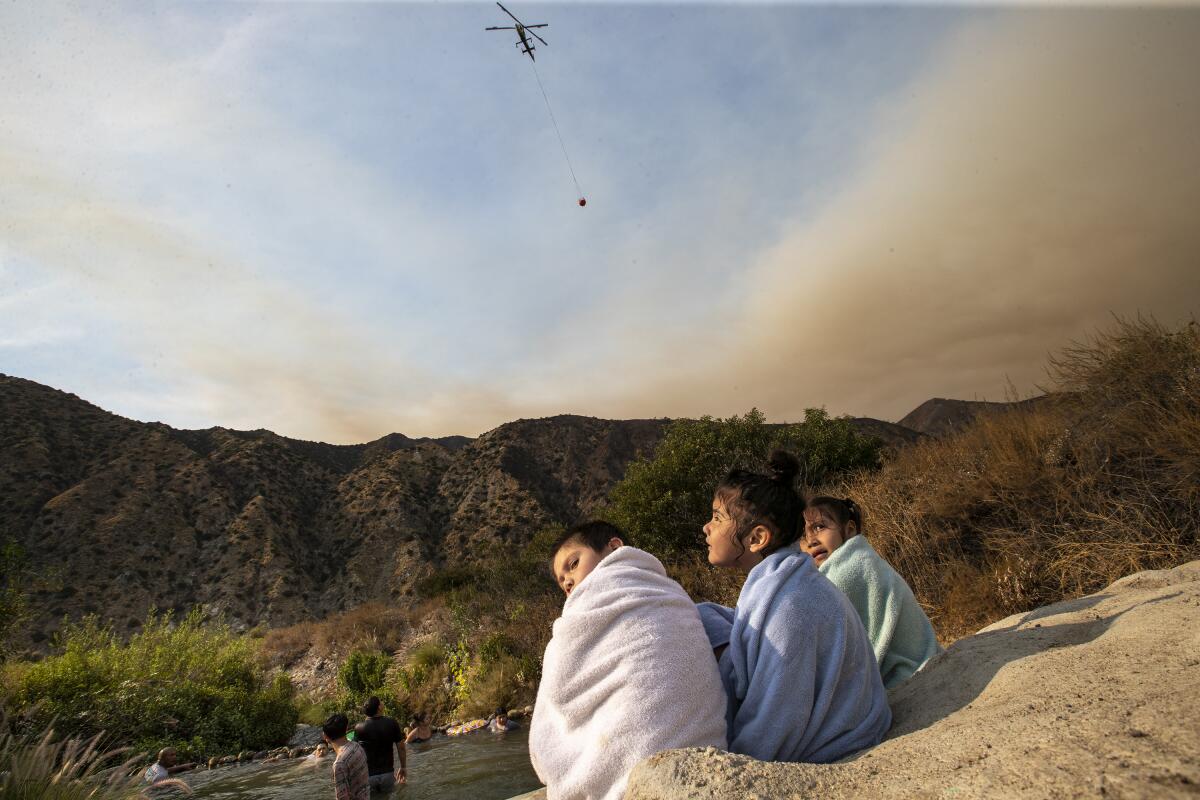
(378, 734)
(350, 780)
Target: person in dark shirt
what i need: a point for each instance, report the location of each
(378, 735)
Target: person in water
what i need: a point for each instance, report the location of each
(421, 730)
(165, 766)
(501, 723)
(627, 673)
(379, 735)
(351, 780)
(900, 632)
(797, 666)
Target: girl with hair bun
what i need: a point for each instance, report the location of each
(900, 633)
(798, 670)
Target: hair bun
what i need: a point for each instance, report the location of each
(783, 467)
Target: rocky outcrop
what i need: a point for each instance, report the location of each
(1094, 697)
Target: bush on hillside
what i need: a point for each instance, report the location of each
(663, 501)
(196, 686)
(500, 609)
(363, 673)
(1056, 498)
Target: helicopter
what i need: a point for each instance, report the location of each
(521, 28)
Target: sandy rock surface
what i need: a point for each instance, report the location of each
(1094, 697)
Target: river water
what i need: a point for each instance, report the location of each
(479, 766)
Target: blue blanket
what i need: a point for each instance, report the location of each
(900, 633)
(798, 669)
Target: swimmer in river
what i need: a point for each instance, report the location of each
(421, 730)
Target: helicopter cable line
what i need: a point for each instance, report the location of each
(554, 122)
(524, 32)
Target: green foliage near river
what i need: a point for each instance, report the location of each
(197, 686)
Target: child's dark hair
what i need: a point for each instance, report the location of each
(842, 509)
(773, 502)
(594, 533)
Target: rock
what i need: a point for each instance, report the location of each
(305, 736)
(516, 713)
(1081, 698)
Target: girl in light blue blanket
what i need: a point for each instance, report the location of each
(901, 636)
(798, 670)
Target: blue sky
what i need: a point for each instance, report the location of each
(337, 220)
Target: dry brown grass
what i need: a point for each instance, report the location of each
(374, 625)
(1053, 499)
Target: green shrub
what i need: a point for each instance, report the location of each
(663, 501)
(421, 686)
(196, 686)
(363, 673)
(501, 683)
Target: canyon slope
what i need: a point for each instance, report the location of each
(119, 516)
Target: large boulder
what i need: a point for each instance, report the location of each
(1094, 697)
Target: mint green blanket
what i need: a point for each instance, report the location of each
(900, 633)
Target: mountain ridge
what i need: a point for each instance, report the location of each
(126, 515)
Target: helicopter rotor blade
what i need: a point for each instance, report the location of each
(543, 25)
(506, 11)
(540, 39)
(509, 28)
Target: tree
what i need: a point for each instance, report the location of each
(662, 502)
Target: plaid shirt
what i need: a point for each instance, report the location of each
(350, 781)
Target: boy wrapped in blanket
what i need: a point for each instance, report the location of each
(628, 672)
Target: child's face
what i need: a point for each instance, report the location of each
(822, 534)
(724, 549)
(574, 561)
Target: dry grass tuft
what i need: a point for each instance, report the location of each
(41, 768)
(1056, 498)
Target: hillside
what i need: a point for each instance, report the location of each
(123, 515)
(940, 416)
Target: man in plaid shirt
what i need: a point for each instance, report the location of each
(350, 779)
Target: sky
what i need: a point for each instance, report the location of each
(337, 220)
